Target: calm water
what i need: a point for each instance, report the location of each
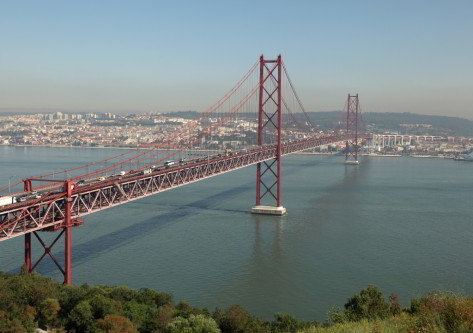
(404, 224)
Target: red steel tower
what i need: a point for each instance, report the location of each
(351, 150)
(270, 120)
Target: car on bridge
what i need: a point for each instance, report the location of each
(146, 171)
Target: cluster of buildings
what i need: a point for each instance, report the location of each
(420, 144)
(129, 131)
(393, 143)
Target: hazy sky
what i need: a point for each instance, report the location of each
(400, 56)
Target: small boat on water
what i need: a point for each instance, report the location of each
(351, 162)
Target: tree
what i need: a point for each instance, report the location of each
(28, 319)
(115, 324)
(12, 325)
(150, 297)
(30, 289)
(102, 306)
(336, 316)
(184, 309)
(49, 312)
(394, 306)
(81, 317)
(157, 319)
(123, 294)
(136, 312)
(234, 320)
(70, 297)
(285, 323)
(194, 324)
(369, 304)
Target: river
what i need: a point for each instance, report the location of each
(403, 224)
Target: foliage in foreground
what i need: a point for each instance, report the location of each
(28, 301)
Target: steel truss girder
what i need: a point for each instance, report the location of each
(25, 217)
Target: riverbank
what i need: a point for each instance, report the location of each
(216, 150)
(313, 153)
(214, 214)
(432, 156)
(106, 147)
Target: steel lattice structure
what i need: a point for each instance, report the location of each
(267, 117)
(49, 213)
(65, 205)
(352, 127)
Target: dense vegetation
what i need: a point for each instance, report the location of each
(28, 301)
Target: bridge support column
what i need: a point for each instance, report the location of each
(28, 260)
(28, 264)
(270, 118)
(68, 236)
(66, 229)
(68, 255)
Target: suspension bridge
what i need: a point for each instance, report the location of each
(257, 104)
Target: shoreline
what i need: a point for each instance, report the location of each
(431, 156)
(214, 150)
(313, 153)
(85, 147)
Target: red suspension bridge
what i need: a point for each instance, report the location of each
(257, 101)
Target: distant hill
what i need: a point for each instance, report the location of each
(182, 114)
(433, 125)
(439, 125)
(27, 111)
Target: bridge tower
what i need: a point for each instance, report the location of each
(270, 119)
(351, 149)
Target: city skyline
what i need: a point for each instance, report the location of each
(118, 56)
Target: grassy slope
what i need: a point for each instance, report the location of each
(437, 313)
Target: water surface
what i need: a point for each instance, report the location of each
(404, 224)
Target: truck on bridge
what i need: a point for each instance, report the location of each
(7, 200)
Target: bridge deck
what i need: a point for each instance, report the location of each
(48, 212)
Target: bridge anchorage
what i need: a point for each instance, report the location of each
(60, 205)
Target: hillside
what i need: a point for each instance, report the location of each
(440, 125)
(428, 124)
(28, 301)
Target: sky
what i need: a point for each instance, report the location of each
(399, 56)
